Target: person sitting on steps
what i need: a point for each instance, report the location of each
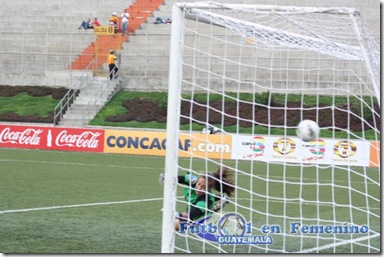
(95, 23)
(86, 24)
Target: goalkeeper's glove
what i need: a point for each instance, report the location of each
(219, 204)
(161, 178)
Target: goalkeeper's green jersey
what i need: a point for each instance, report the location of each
(199, 205)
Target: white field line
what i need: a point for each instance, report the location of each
(143, 167)
(76, 164)
(78, 205)
(123, 167)
(107, 203)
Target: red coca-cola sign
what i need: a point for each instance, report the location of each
(21, 137)
(77, 139)
(70, 139)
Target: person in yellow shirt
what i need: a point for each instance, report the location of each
(112, 66)
(113, 21)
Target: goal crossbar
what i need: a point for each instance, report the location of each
(282, 38)
(266, 8)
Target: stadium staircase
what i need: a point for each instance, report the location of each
(139, 11)
(92, 98)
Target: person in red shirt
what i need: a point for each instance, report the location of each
(95, 23)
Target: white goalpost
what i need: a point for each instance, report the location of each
(253, 72)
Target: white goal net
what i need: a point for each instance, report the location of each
(253, 72)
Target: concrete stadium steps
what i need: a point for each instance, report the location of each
(159, 42)
(52, 50)
(69, 5)
(39, 46)
(144, 57)
(51, 15)
(51, 27)
(102, 45)
(149, 66)
(139, 11)
(56, 15)
(32, 64)
(89, 102)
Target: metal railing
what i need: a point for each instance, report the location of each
(107, 90)
(70, 96)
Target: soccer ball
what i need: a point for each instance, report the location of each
(308, 130)
(232, 226)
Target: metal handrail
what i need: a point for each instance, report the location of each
(96, 100)
(70, 96)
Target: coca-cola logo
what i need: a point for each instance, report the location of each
(27, 137)
(86, 139)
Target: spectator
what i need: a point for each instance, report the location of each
(112, 66)
(86, 24)
(113, 21)
(198, 193)
(124, 22)
(159, 20)
(95, 23)
(167, 20)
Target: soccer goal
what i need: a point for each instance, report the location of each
(254, 72)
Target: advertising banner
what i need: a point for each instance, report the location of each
(215, 146)
(350, 152)
(71, 139)
(52, 138)
(23, 137)
(374, 160)
(292, 149)
(154, 143)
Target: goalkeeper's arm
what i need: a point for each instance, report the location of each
(192, 215)
(186, 179)
(184, 217)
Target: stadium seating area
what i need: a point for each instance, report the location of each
(54, 16)
(139, 11)
(39, 40)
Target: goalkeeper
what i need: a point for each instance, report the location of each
(201, 201)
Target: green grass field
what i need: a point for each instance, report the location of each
(67, 202)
